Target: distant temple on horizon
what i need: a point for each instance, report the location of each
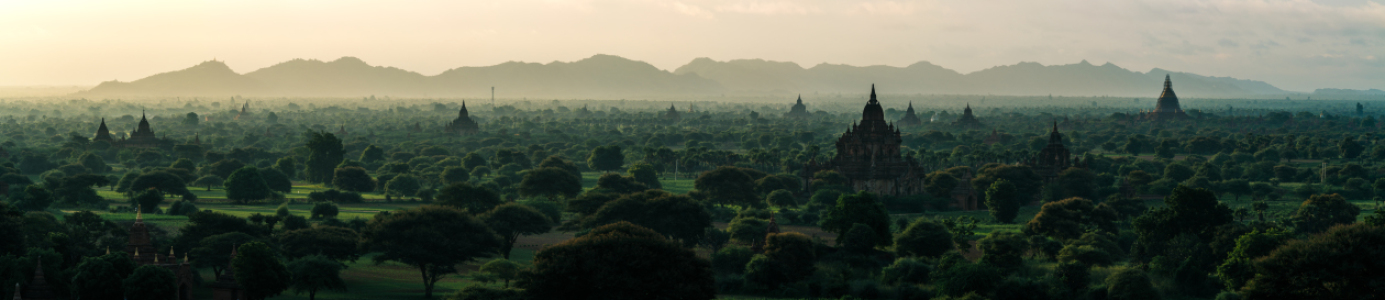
(798, 111)
(672, 114)
(141, 137)
(910, 119)
(1054, 158)
(967, 120)
(1166, 109)
(463, 125)
(868, 156)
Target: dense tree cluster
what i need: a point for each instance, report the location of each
(1258, 203)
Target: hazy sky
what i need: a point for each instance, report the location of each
(1296, 45)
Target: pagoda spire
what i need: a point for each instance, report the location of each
(139, 214)
(872, 94)
(1167, 82)
(800, 99)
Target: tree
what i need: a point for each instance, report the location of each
(502, 268)
(1239, 266)
(372, 154)
(619, 261)
(277, 181)
(313, 273)
(148, 201)
(788, 258)
(474, 199)
(645, 173)
(923, 238)
(1130, 284)
(353, 179)
(164, 182)
(614, 183)
(858, 208)
(1004, 250)
(246, 185)
(259, 272)
(1342, 263)
(1026, 181)
(1237, 187)
(939, 184)
(558, 162)
(1077, 182)
(433, 239)
(324, 154)
(676, 216)
(452, 175)
(1349, 148)
(332, 242)
(1178, 172)
(150, 282)
(1187, 211)
(550, 183)
(97, 164)
(204, 224)
(288, 166)
(781, 198)
(209, 181)
(1002, 201)
(513, 220)
(76, 191)
(1067, 218)
(97, 278)
(403, 186)
(215, 251)
(324, 210)
(728, 185)
(1321, 212)
(606, 158)
(222, 168)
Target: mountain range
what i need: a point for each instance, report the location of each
(611, 77)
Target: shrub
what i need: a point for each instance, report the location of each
(906, 270)
(324, 209)
(731, 259)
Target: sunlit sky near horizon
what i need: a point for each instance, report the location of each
(1296, 45)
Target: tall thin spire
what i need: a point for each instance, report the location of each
(800, 98)
(139, 214)
(872, 92)
(1167, 82)
(1055, 126)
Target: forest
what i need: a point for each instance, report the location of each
(384, 198)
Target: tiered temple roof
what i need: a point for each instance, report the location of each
(868, 155)
(798, 111)
(910, 119)
(1167, 107)
(463, 125)
(967, 119)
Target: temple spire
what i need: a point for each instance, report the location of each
(800, 98)
(139, 214)
(872, 93)
(1167, 83)
(1055, 126)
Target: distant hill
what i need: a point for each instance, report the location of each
(600, 76)
(1026, 78)
(1348, 92)
(612, 77)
